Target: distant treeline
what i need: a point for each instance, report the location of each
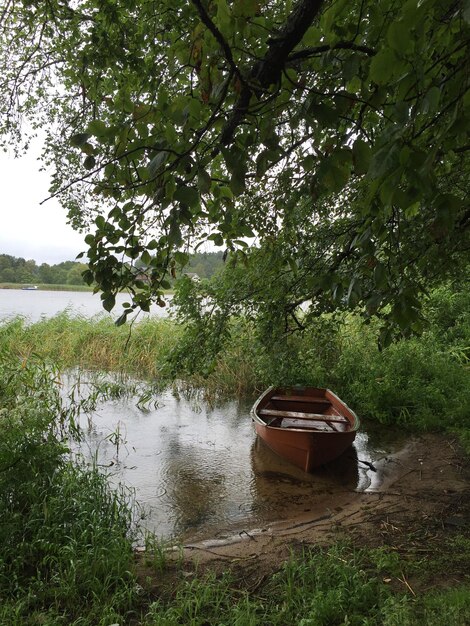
(19, 270)
(22, 271)
(205, 264)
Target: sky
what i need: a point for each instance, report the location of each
(27, 228)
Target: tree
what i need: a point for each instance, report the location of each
(75, 274)
(332, 133)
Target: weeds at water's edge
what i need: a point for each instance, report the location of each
(316, 586)
(420, 384)
(67, 557)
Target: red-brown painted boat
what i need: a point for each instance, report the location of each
(308, 426)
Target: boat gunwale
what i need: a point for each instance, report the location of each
(257, 419)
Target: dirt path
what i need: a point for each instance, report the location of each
(424, 487)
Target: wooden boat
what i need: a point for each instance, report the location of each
(308, 426)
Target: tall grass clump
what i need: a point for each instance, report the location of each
(421, 382)
(65, 538)
(319, 587)
(95, 343)
(416, 382)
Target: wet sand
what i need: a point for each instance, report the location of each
(425, 480)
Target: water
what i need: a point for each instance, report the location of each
(34, 305)
(199, 471)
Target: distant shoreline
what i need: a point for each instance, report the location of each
(46, 287)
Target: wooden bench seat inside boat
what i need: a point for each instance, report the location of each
(308, 399)
(317, 417)
(319, 425)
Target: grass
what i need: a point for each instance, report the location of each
(317, 587)
(94, 343)
(65, 538)
(66, 545)
(421, 383)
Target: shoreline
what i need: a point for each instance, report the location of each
(431, 478)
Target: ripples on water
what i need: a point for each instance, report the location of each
(199, 471)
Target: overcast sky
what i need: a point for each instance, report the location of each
(27, 228)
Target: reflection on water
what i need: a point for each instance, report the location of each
(196, 472)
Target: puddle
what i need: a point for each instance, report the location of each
(200, 472)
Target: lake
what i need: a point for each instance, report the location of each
(34, 305)
(200, 471)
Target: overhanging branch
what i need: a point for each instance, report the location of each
(341, 45)
(267, 71)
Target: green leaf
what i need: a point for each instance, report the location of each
(262, 162)
(158, 160)
(380, 276)
(109, 301)
(98, 128)
(385, 338)
(204, 181)
(237, 182)
(431, 100)
(354, 292)
(89, 163)
(88, 277)
(187, 195)
(400, 37)
(217, 239)
(384, 66)
(224, 16)
(79, 139)
(325, 115)
(146, 258)
(312, 37)
(384, 161)
(466, 11)
(334, 172)
(174, 236)
(182, 258)
(100, 222)
(235, 159)
(373, 303)
(122, 319)
(361, 156)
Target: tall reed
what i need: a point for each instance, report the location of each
(94, 343)
(65, 538)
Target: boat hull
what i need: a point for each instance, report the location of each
(303, 446)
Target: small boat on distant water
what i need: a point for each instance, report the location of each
(30, 288)
(308, 426)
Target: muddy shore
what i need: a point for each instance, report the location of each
(424, 491)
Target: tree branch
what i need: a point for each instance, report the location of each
(267, 71)
(341, 45)
(206, 20)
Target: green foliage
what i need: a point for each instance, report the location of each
(420, 383)
(413, 383)
(94, 344)
(335, 134)
(205, 264)
(336, 585)
(17, 270)
(65, 540)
